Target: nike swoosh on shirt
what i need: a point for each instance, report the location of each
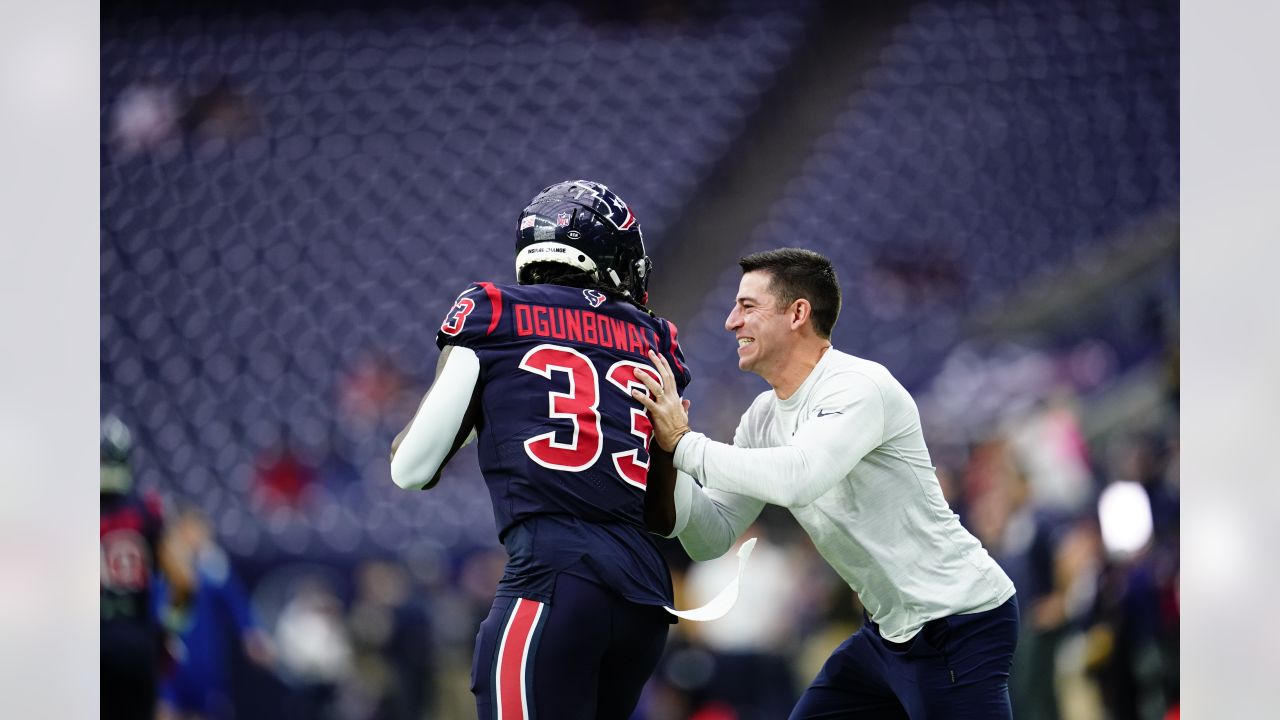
(824, 413)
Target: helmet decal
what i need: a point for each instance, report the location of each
(608, 204)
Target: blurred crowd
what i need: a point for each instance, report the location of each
(152, 116)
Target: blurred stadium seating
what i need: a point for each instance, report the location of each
(290, 198)
(993, 145)
(374, 172)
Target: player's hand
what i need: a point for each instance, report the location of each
(667, 411)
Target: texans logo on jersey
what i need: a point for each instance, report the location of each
(595, 297)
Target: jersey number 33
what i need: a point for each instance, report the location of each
(581, 406)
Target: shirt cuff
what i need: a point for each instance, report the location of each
(686, 454)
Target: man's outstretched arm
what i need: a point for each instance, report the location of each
(817, 457)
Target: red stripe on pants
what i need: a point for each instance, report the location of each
(512, 660)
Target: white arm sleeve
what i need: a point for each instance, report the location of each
(821, 453)
(708, 521)
(712, 520)
(436, 424)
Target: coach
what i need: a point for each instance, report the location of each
(838, 442)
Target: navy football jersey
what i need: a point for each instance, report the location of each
(562, 444)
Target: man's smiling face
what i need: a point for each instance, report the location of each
(761, 327)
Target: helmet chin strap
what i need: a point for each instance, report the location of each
(617, 281)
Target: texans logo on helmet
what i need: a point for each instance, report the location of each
(595, 297)
(610, 205)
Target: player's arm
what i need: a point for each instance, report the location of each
(659, 505)
(659, 493)
(444, 422)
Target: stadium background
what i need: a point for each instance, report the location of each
(292, 194)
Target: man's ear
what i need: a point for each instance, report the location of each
(800, 312)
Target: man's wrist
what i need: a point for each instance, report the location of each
(684, 449)
(680, 432)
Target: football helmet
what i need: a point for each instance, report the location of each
(116, 441)
(583, 224)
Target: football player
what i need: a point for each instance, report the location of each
(130, 638)
(541, 374)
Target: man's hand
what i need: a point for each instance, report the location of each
(668, 412)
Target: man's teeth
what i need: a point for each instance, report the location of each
(745, 341)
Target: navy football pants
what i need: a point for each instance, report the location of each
(585, 655)
(955, 668)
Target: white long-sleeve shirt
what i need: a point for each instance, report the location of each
(846, 455)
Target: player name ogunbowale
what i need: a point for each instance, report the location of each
(585, 326)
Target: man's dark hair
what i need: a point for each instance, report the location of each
(797, 273)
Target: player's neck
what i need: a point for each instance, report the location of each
(797, 367)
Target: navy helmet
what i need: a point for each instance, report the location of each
(583, 224)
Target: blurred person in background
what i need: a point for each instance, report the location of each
(1137, 615)
(1023, 539)
(457, 606)
(373, 394)
(750, 646)
(838, 441)
(221, 111)
(283, 476)
(542, 373)
(315, 648)
(204, 607)
(129, 535)
(145, 118)
(1055, 459)
(394, 667)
